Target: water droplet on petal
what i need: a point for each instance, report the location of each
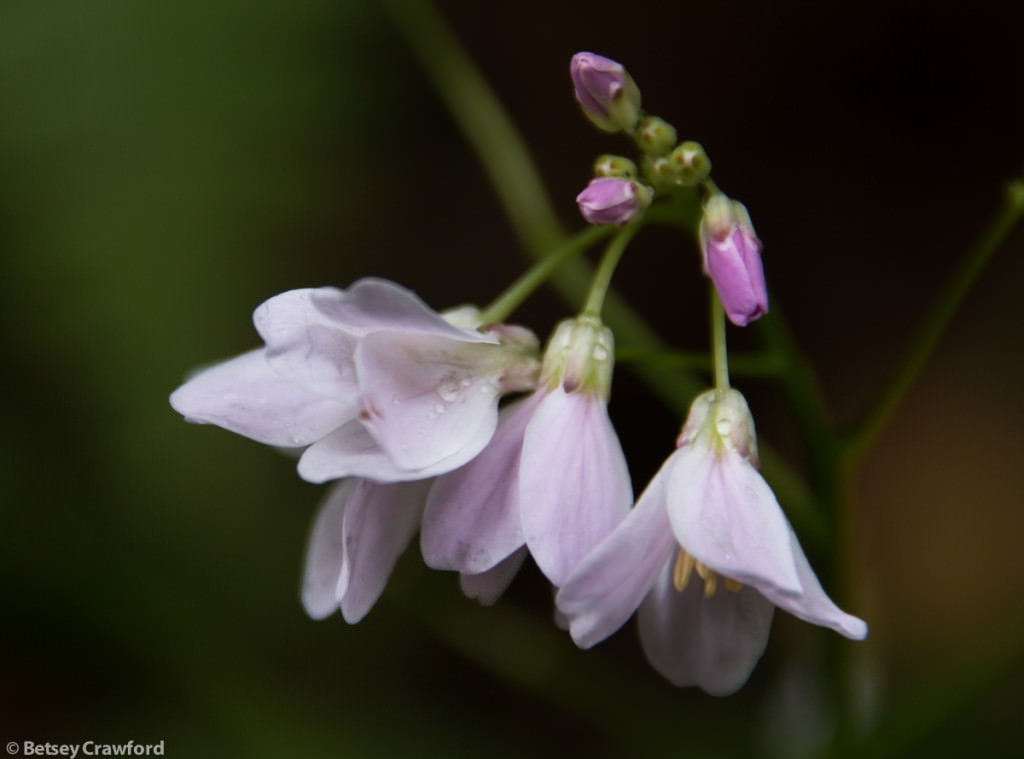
(449, 388)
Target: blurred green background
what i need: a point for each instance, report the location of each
(166, 166)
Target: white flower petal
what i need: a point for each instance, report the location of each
(428, 398)
(378, 523)
(325, 553)
(813, 604)
(311, 334)
(305, 345)
(372, 304)
(725, 516)
(712, 642)
(611, 582)
(487, 587)
(350, 451)
(574, 485)
(244, 395)
(471, 521)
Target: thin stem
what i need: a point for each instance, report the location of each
(540, 272)
(603, 276)
(759, 364)
(719, 351)
(931, 330)
(483, 121)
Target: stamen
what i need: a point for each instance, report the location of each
(710, 580)
(682, 570)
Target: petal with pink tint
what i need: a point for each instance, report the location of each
(380, 520)
(487, 587)
(428, 398)
(813, 604)
(471, 521)
(350, 451)
(713, 643)
(574, 485)
(325, 553)
(244, 395)
(611, 582)
(724, 515)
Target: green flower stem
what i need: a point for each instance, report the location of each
(867, 430)
(760, 364)
(540, 272)
(483, 121)
(719, 350)
(603, 276)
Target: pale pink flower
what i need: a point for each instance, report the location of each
(358, 535)
(706, 554)
(359, 532)
(369, 380)
(553, 478)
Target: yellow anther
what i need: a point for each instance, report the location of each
(683, 570)
(710, 580)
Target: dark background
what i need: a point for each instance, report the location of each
(165, 167)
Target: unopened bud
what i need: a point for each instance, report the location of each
(690, 164)
(606, 92)
(609, 200)
(655, 136)
(614, 166)
(659, 172)
(732, 258)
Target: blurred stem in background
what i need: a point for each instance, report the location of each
(821, 506)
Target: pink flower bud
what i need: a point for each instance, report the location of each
(609, 200)
(606, 91)
(732, 258)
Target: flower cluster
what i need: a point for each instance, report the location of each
(620, 192)
(459, 429)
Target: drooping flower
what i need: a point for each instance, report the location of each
(358, 535)
(373, 381)
(554, 477)
(361, 529)
(731, 256)
(612, 200)
(606, 92)
(706, 554)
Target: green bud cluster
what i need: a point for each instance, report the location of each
(666, 164)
